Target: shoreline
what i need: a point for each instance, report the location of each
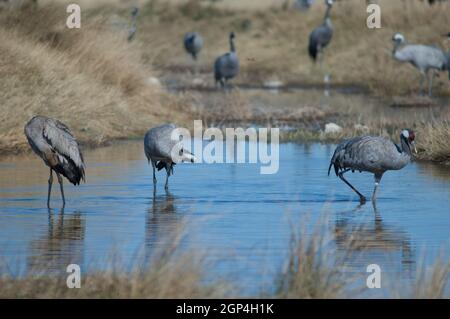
(283, 139)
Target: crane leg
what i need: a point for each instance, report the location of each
(422, 79)
(50, 182)
(430, 84)
(168, 168)
(60, 181)
(377, 183)
(154, 172)
(221, 83)
(362, 199)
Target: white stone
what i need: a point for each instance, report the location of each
(153, 81)
(273, 84)
(198, 81)
(332, 128)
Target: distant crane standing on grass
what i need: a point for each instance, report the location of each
(371, 154)
(321, 36)
(133, 28)
(226, 66)
(423, 57)
(55, 144)
(159, 148)
(193, 43)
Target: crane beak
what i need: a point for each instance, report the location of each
(188, 157)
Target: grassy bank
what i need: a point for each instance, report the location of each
(91, 79)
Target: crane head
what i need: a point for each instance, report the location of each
(398, 38)
(232, 35)
(329, 2)
(134, 11)
(409, 137)
(187, 156)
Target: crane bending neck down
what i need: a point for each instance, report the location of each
(373, 154)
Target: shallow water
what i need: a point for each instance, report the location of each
(240, 219)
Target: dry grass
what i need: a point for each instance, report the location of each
(91, 79)
(435, 143)
(311, 270)
(431, 282)
(180, 279)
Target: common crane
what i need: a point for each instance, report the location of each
(55, 144)
(423, 57)
(226, 66)
(133, 27)
(321, 36)
(162, 149)
(371, 154)
(193, 43)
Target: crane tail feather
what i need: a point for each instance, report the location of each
(312, 50)
(72, 172)
(160, 165)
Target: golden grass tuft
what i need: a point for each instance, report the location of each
(434, 142)
(310, 271)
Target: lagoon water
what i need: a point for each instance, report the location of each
(240, 220)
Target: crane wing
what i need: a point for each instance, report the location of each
(62, 141)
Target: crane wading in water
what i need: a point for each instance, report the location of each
(371, 154)
(423, 57)
(55, 144)
(159, 144)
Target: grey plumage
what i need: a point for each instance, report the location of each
(163, 149)
(193, 43)
(371, 154)
(448, 55)
(226, 66)
(55, 144)
(321, 36)
(423, 57)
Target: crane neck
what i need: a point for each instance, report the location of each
(405, 147)
(327, 17)
(232, 47)
(396, 47)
